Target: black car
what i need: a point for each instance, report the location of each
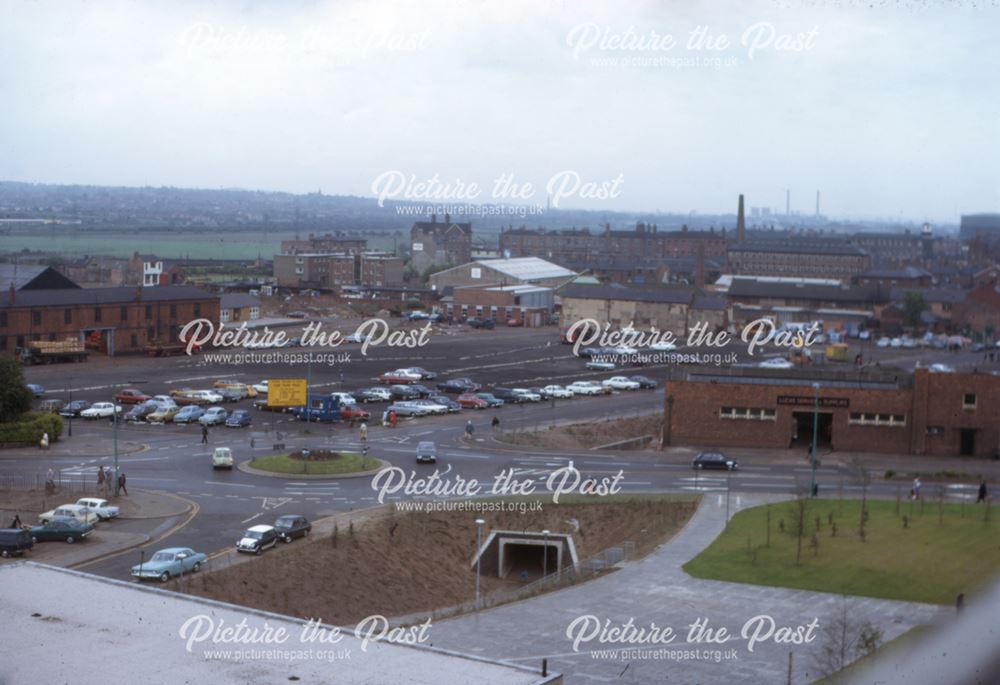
(507, 395)
(458, 386)
(366, 395)
(404, 392)
(13, 541)
(291, 526)
(230, 394)
(421, 390)
(139, 412)
(645, 382)
(453, 406)
(74, 408)
(476, 322)
(714, 460)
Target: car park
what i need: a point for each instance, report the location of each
(189, 414)
(451, 405)
(102, 507)
(600, 366)
(170, 563)
(70, 511)
(61, 530)
(620, 383)
(490, 399)
(73, 409)
(426, 452)
(714, 460)
(585, 388)
(214, 416)
(14, 542)
(35, 389)
(240, 418)
(558, 392)
(222, 458)
(645, 382)
(458, 385)
(256, 539)
(525, 395)
(100, 410)
(469, 400)
(130, 396)
(291, 526)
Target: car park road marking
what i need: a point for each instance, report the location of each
(257, 515)
(233, 485)
(270, 503)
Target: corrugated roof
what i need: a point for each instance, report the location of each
(528, 268)
(751, 287)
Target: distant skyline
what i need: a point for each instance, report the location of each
(890, 111)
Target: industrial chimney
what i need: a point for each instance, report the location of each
(741, 224)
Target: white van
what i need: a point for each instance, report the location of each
(222, 458)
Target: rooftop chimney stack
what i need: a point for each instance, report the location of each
(11, 294)
(741, 223)
(699, 276)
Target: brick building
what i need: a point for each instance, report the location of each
(328, 243)
(668, 308)
(530, 305)
(438, 244)
(787, 300)
(113, 320)
(874, 410)
(332, 271)
(802, 258)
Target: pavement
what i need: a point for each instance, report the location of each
(655, 590)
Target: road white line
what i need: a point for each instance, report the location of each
(232, 485)
(258, 515)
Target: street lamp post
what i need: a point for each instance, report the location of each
(479, 535)
(729, 473)
(545, 554)
(114, 423)
(812, 487)
(70, 417)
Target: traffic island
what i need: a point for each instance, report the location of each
(321, 463)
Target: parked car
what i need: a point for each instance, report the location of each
(403, 392)
(714, 460)
(102, 507)
(296, 315)
(458, 385)
(74, 408)
(896, 342)
(424, 374)
(131, 396)
(61, 530)
(469, 400)
(663, 346)
(140, 412)
(600, 366)
(941, 368)
(344, 398)
(52, 406)
(260, 387)
(399, 376)
(432, 406)
(164, 400)
(169, 563)
(490, 399)
(35, 389)
(620, 383)
(426, 452)
(256, 539)
(291, 526)
(232, 394)
(351, 412)
(558, 392)
(645, 382)
(514, 323)
(222, 458)
(525, 395)
(883, 342)
(505, 394)
(14, 542)
(585, 388)
(451, 405)
(100, 410)
(408, 408)
(246, 390)
(356, 338)
(421, 390)
(240, 418)
(776, 363)
(476, 322)
(71, 511)
(189, 414)
(372, 395)
(163, 414)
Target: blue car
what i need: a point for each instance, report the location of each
(189, 414)
(170, 562)
(36, 389)
(240, 418)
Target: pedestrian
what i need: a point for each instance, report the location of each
(121, 483)
(50, 477)
(916, 488)
(204, 434)
(364, 432)
(982, 491)
(385, 418)
(107, 479)
(100, 478)
(495, 422)
(469, 428)
(16, 523)
(392, 418)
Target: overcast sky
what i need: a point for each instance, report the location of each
(889, 111)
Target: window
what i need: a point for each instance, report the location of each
(3, 319)
(124, 313)
(149, 312)
(969, 400)
(134, 341)
(197, 310)
(97, 313)
(748, 413)
(150, 333)
(67, 316)
(865, 419)
(224, 315)
(173, 311)
(36, 318)
(3, 342)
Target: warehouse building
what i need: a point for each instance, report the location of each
(518, 271)
(868, 410)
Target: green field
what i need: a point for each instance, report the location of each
(348, 463)
(937, 556)
(207, 246)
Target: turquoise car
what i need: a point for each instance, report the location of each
(170, 562)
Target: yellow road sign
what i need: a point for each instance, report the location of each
(286, 392)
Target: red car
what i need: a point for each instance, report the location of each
(470, 401)
(513, 322)
(353, 413)
(130, 396)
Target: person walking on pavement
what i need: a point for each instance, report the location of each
(392, 418)
(469, 429)
(204, 434)
(16, 523)
(916, 488)
(982, 491)
(121, 483)
(364, 432)
(100, 478)
(495, 423)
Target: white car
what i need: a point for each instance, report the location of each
(525, 395)
(776, 363)
(345, 399)
(896, 342)
(600, 366)
(101, 410)
(883, 342)
(557, 391)
(383, 394)
(354, 338)
(222, 458)
(207, 396)
(909, 342)
(663, 346)
(625, 349)
(620, 383)
(213, 416)
(164, 401)
(941, 368)
(260, 387)
(585, 388)
(102, 507)
(74, 511)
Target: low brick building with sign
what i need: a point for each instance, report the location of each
(874, 410)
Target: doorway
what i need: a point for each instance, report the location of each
(967, 442)
(803, 430)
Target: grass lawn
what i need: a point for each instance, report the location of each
(348, 463)
(931, 560)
